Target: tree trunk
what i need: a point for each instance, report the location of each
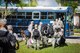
(6, 5)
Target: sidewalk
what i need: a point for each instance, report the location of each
(73, 41)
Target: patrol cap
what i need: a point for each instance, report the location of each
(40, 23)
(32, 21)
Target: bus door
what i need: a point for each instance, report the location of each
(70, 24)
(62, 16)
(36, 17)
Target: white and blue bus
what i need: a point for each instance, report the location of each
(21, 17)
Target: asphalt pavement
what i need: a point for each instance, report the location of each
(73, 41)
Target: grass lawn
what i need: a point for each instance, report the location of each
(71, 48)
(76, 34)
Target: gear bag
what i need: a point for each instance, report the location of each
(44, 29)
(3, 38)
(27, 33)
(36, 33)
(51, 31)
(13, 42)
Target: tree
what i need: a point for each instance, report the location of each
(0, 1)
(2, 12)
(22, 4)
(19, 3)
(31, 3)
(9, 2)
(71, 3)
(58, 1)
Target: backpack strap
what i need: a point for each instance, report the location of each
(6, 34)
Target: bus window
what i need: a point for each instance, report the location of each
(43, 15)
(36, 15)
(29, 15)
(14, 13)
(9, 17)
(20, 17)
(21, 13)
(60, 15)
(50, 15)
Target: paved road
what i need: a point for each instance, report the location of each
(48, 3)
(73, 41)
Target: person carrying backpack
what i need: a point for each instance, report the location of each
(7, 40)
(3, 37)
(45, 33)
(30, 27)
(27, 35)
(44, 30)
(36, 36)
(39, 28)
(12, 40)
(50, 30)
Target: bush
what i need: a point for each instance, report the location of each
(76, 30)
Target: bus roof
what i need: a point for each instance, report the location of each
(42, 8)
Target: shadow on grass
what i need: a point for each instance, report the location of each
(62, 45)
(46, 46)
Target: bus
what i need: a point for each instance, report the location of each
(21, 17)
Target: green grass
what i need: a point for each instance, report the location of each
(76, 30)
(76, 34)
(71, 48)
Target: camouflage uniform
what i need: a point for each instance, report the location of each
(44, 41)
(36, 43)
(56, 37)
(30, 28)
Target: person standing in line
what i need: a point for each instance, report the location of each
(13, 40)
(36, 36)
(3, 46)
(61, 23)
(23, 34)
(27, 35)
(10, 29)
(30, 27)
(56, 28)
(39, 28)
